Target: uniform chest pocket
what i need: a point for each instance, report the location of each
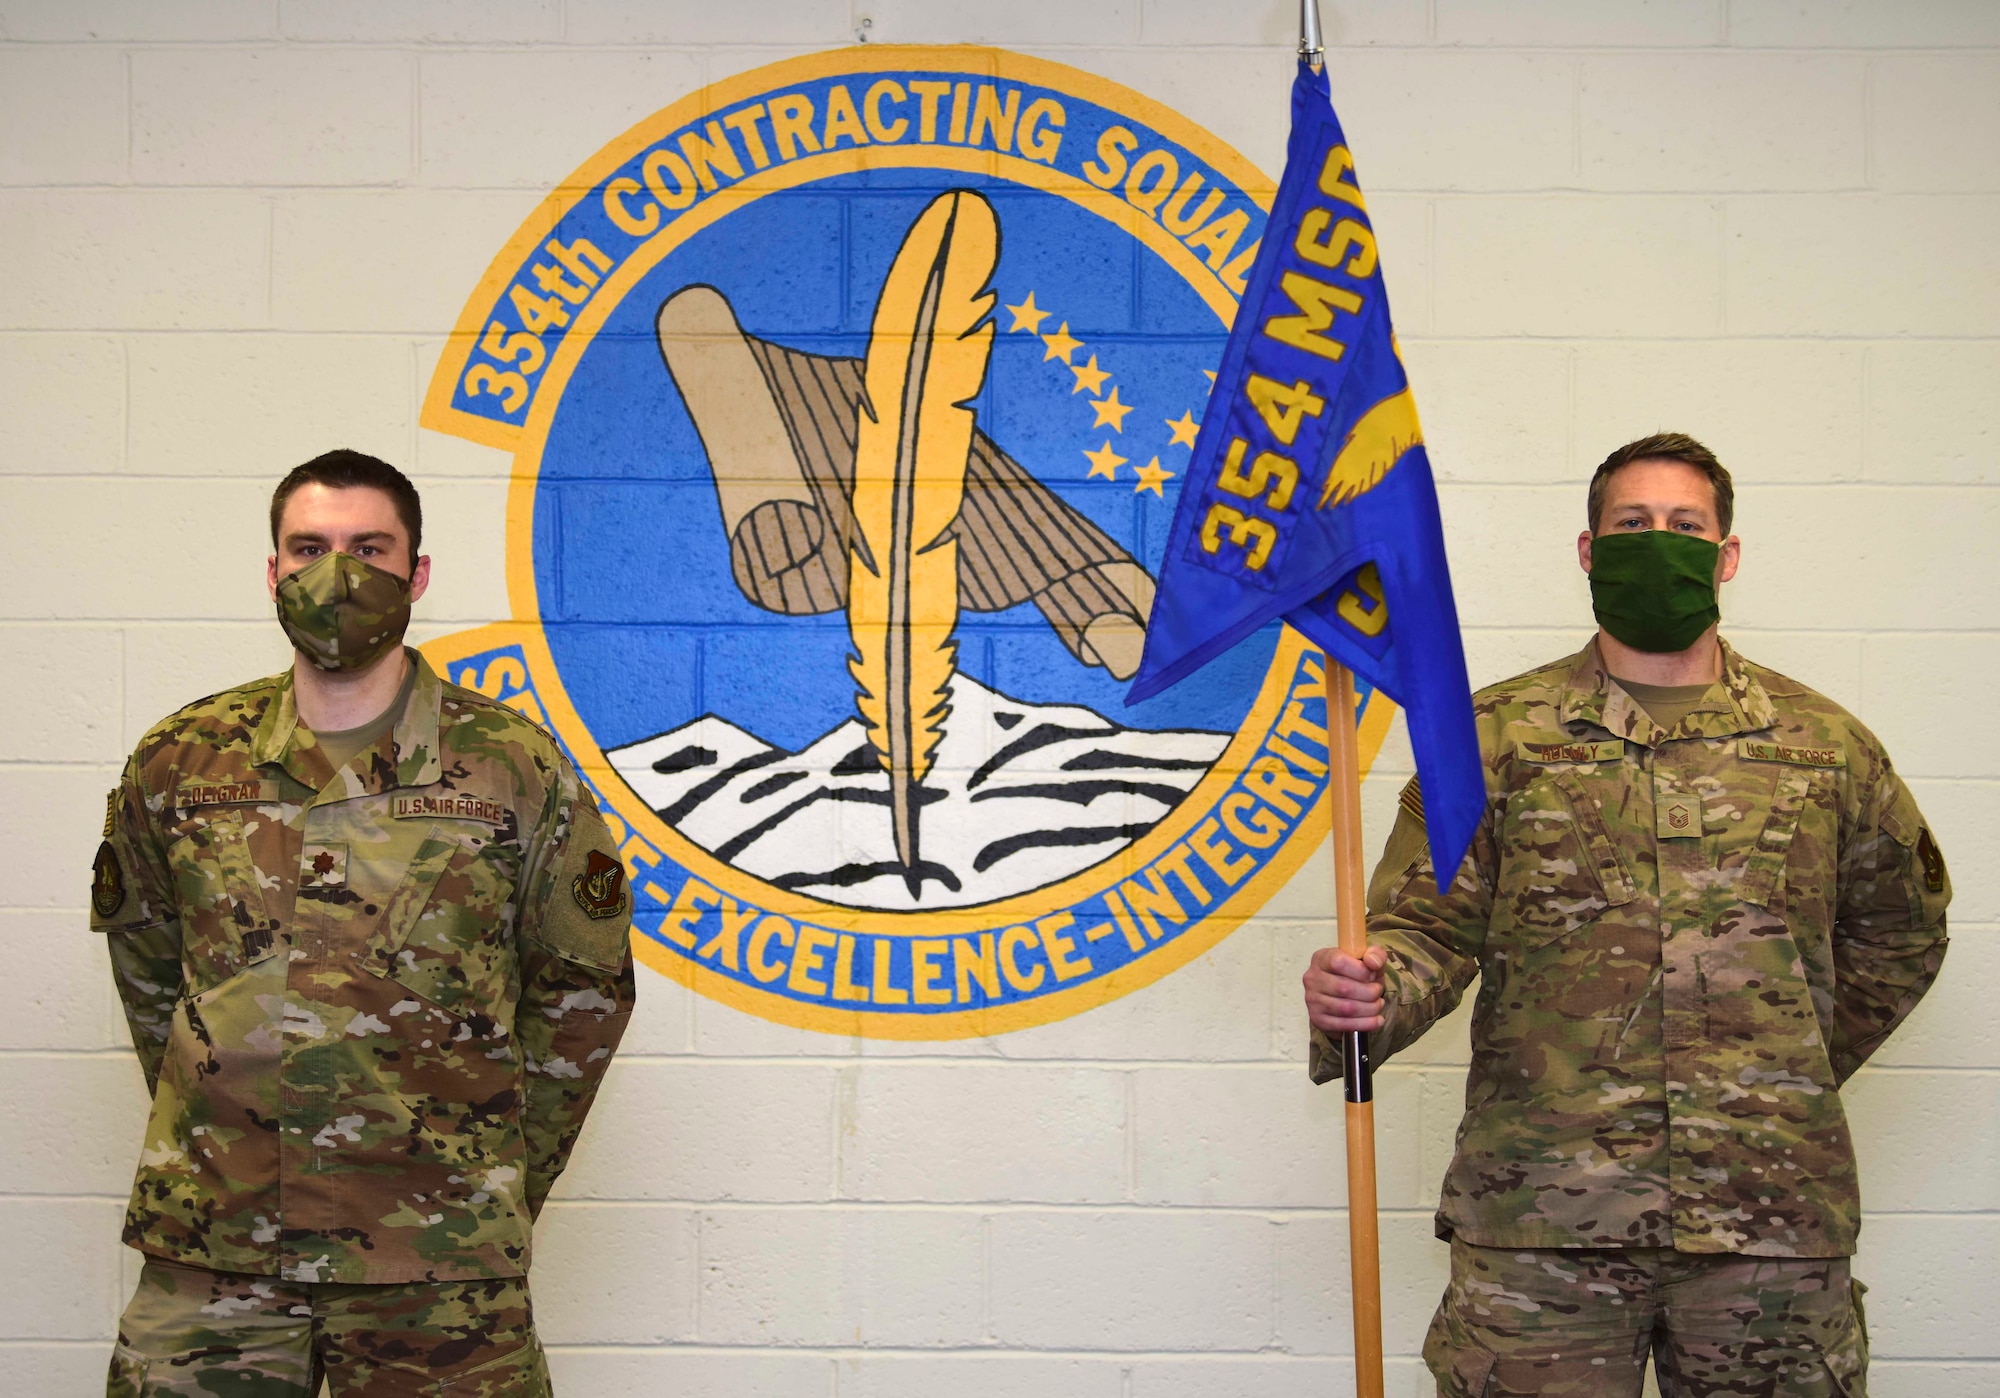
(1559, 869)
(225, 924)
(447, 932)
(1762, 881)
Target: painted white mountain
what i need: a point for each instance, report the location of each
(1021, 795)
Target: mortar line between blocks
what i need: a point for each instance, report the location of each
(986, 1329)
(694, 1256)
(995, 1208)
(1277, 1284)
(270, 262)
(700, 1274)
(846, 1088)
(414, 386)
(1037, 47)
(1132, 1136)
(1867, 430)
(1576, 119)
(416, 117)
(1570, 443)
(1722, 267)
(1430, 266)
(1868, 122)
(125, 739)
(131, 122)
(1389, 1071)
(125, 367)
(1122, 1357)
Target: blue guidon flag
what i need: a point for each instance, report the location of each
(1309, 496)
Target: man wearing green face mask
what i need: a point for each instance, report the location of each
(1700, 900)
(370, 932)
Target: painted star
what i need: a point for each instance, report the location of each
(1152, 478)
(1211, 377)
(1061, 345)
(1104, 462)
(1027, 316)
(1090, 377)
(1110, 412)
(1184, 429)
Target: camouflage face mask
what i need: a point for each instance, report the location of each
(1655, 591)
(344, 614)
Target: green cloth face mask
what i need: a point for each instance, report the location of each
(343, 614)
(1655, 590)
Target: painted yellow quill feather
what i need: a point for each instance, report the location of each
(927, 355)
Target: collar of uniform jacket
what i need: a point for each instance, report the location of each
(407, 755)
(1593, 695)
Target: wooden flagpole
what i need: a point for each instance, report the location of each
(1364, 1248)
(1363, 1243)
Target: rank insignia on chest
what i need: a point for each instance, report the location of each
(600, 889)
(107, 882)
(323, 867)
(1679, 816)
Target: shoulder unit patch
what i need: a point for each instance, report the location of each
(107, 882)
(600, 889)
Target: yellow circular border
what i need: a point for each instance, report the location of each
(528, 439)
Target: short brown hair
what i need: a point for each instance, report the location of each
(1666, 446)
(342, 469)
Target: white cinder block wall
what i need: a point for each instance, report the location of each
(231, 234)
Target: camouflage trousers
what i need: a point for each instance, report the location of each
(191, 1333)
(1580, 1322)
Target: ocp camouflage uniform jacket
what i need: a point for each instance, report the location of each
(373, 1005)
(1686, 941)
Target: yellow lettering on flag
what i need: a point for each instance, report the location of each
(1317, 302)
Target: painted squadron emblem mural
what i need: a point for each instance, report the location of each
(849, 401)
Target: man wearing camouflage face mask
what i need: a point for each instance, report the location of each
(1701, 898)
(371, 937)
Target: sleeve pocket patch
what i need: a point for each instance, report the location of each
(587, 914)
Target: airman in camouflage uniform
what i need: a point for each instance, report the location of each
(373, 1002)
(1686, 939)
